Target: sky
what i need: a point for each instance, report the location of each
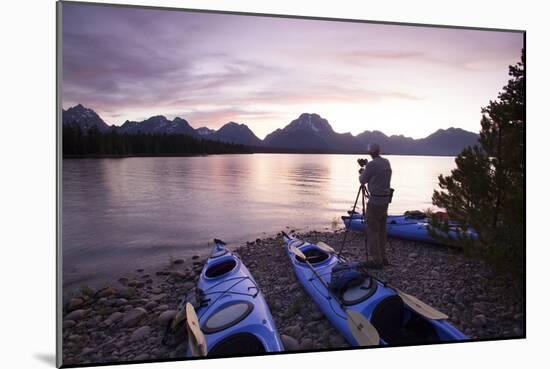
(132, 63)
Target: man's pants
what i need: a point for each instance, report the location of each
(376, 232)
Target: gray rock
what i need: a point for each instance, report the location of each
(316, 314)
(188, 286)
(166, 317)
(179, 261)
(306, 344)
(276, 305)
(74, 337)
(150, 305)
(337, 340)
(290, 343)
(102, 300)
(294, 287)
(158, 297)
(87, 351)
(140, 333)
(479, 320)
(144, 356)
(106, 292)
(133, 317)
(76, 315)
(75, 303)
(68, 324)
(435, 274)
(115, 317)
(312, 327)
(413, 255)
(293, 330)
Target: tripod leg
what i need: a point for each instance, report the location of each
(347, 228)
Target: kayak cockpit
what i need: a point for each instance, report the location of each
(398, 325)
(313, 254)
(238, 344)
(220, 268)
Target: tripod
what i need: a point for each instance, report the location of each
(364, 194)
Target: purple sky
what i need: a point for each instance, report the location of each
(130, 63)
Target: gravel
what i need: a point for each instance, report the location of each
(128, 323)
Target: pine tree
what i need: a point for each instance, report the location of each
(486, 190)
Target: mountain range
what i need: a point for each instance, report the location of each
(307, 133)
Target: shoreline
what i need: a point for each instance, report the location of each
(112, 156)
(126, 320)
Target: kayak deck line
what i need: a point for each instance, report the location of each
(229, 292)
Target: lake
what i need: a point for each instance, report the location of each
(123, 214)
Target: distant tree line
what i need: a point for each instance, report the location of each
(96, 143)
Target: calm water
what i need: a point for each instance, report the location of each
(123, 214)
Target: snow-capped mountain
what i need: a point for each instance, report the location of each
(158, 124)
(204, 131)
(310, 132)
(84, 118)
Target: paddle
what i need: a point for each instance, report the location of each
(421, 307)
(413, 302)
(197, 342)
(325, 247)
(362, 330)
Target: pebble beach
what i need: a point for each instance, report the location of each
(126, 320)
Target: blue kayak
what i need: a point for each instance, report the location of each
(404, 227)
(233, 314)
(395, 321)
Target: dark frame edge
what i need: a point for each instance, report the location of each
(291, 16)
(58, 184)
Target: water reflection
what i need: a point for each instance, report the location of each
(123, 213)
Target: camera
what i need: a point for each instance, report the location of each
(362, 162)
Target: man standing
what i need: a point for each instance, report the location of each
(377, 174)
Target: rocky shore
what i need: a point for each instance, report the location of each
(126, 321)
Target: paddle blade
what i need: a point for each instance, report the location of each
(297, 252)
(362, 330)
(197, 342)
(421, 307)
(325, 247)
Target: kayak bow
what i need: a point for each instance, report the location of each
(233, 315)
